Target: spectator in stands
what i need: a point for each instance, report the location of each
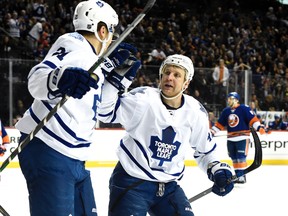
(262, 121)
(13, 25)
(39, 9)
(19, 108)
(6, 47)
(35, 34)
(155, 57)
(284, 103)
(256, 102)
(258, 43)
(278, 123)
(269, 103)
(220, 76)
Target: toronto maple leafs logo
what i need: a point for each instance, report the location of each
(164, 149)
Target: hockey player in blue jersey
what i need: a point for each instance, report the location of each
(161, 124)
(4, 139)
(237, 119)
(53, 163)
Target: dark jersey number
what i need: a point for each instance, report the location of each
(60, 53)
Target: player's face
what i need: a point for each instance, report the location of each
(231, 101)
(172, 80)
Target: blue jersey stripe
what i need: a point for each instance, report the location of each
(50, 133)
(135, 161)
(63, 125)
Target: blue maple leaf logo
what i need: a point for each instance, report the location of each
(165, 149)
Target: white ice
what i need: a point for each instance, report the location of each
(264, 194)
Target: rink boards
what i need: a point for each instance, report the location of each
(274, 146)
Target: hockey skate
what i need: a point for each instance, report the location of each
(241, 180)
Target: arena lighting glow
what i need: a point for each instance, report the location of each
(283, 2)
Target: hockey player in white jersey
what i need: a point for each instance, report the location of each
(53, 163)
(161, 124)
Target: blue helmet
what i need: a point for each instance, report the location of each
(234, 95)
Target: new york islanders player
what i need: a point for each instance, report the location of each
(237, 119)
(161, 124)
(4, 139)
(53, 163)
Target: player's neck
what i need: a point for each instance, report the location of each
(94, 42)
(235, 106)
(174, 103)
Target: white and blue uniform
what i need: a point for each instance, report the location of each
(70, 130)
(53, 163)
(157, 138)
(154, 146)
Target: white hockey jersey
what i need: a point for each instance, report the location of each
(157, 138)
(70, 130)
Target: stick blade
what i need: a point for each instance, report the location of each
(258, 152)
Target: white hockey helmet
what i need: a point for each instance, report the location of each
(89, 13)
(179, 61)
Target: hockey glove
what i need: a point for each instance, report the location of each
(122, 78)
(262, 130)
(220, 174)
(117, 57)
(72, 81)
(2, 150)
(214, 130)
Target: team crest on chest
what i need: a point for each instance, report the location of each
(166, 148)
(233, 120)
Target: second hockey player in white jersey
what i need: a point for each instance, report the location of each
(161, 124)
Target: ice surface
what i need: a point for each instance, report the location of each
(265, 193)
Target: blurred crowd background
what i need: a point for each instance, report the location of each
(251, 40)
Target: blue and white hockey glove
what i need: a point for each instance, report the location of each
(220, 173)
(123, 76)
(117, 57)
(2, 150)
(263, 130)
(71, 81)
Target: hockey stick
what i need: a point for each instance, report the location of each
(256, 163)
(111, 48)
(3, 212)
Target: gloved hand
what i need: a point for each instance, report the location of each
(220, 173)
(122, 78)
(263, 130)
(72, 81)
(214, 130)
(2, 150)
(117, 57)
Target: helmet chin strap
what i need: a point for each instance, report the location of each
(104, 42)
(179, 94)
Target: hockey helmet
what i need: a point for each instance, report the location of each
(234, 95)
(88, 14)
(179, 61)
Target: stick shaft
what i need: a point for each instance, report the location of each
(3, 211)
